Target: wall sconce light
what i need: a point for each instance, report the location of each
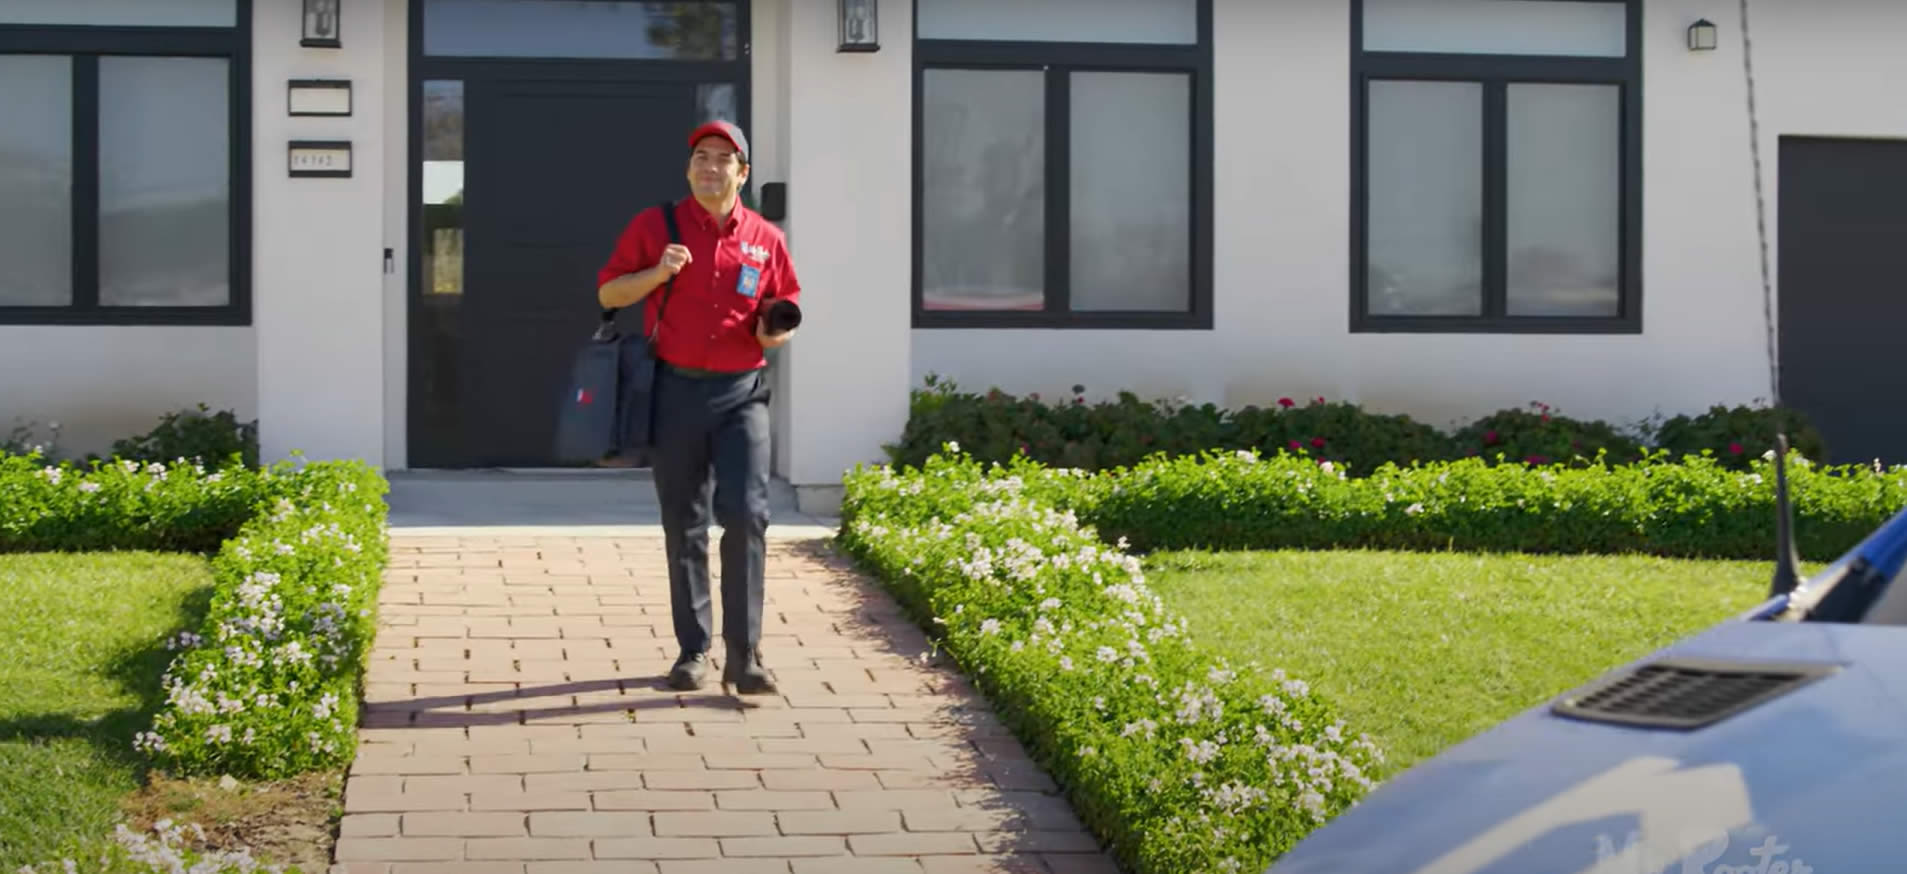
(321, 24)
(860, 29)
(1701, 36)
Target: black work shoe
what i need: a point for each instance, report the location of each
(743, 671)
(689, 671)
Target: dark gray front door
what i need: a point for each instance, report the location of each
(540, 130)
(573, 162)
(553, 170)
(1843, 292)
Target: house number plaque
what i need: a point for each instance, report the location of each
(320, 158)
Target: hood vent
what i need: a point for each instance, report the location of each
(1686, 693)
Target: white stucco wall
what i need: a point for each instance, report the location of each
(318, 253)
(1283, 243)
(104, 383)
(396, 290)
(849, 209)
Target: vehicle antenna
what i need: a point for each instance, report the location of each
(1787, 564)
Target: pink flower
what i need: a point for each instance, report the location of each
(1286, 402)
(1317, 442)
(1735, 448)
(1489, 437)
(1295, 445)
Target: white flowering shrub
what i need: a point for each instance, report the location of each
(267, 686)
(1181, 761)
(165, 851)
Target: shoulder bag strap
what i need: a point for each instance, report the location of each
(675, 236)
(668, 290)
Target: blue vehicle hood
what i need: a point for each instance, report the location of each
(1814, 780)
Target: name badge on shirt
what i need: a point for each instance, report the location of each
(746, 284)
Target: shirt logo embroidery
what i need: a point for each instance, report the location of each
(755, 252)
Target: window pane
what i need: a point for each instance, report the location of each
(1131, 191)
(580, 29)
(1524, 27)
(1565, 199)
(715, 100)
(1147, 21)
(36, 180)
(122, 13)
(443, 187)
(1426, 198)
(164, 182)
(983, 202)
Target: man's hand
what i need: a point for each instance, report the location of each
(630, 288)
(770, 341)
(674, 258)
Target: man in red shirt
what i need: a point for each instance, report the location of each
(711, 440)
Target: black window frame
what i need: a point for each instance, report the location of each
(1058, 60)
(1495, 72)
(86, 44)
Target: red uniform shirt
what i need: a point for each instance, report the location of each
(710, 322)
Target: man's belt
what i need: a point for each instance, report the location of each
(699, 372)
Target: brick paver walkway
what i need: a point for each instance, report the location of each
(516, 721)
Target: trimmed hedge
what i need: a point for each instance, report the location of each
(268, 686)
(996, 427)
(1178, 760)
(122, 504)
(1693, 509)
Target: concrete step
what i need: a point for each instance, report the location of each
(607, 501)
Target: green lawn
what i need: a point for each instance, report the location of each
(84, 649)
(1424, 650)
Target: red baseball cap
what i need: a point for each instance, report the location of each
(725, 130)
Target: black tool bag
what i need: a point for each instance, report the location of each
(609, 405)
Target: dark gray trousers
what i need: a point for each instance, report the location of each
(711, 454)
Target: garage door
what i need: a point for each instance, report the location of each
(1843, 292)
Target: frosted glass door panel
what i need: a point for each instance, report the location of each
(1120, 21)
(36, 180)
(1517, 27)
(1426, 198)
(164, 182)
(581, 29)
(124, 13)
(983, 204)
(1565, 199)
(1131, 192)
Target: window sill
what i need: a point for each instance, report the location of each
(140, 317)
(1468, 325)
(1094, 321)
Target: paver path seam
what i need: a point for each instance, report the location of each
(515, 720)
